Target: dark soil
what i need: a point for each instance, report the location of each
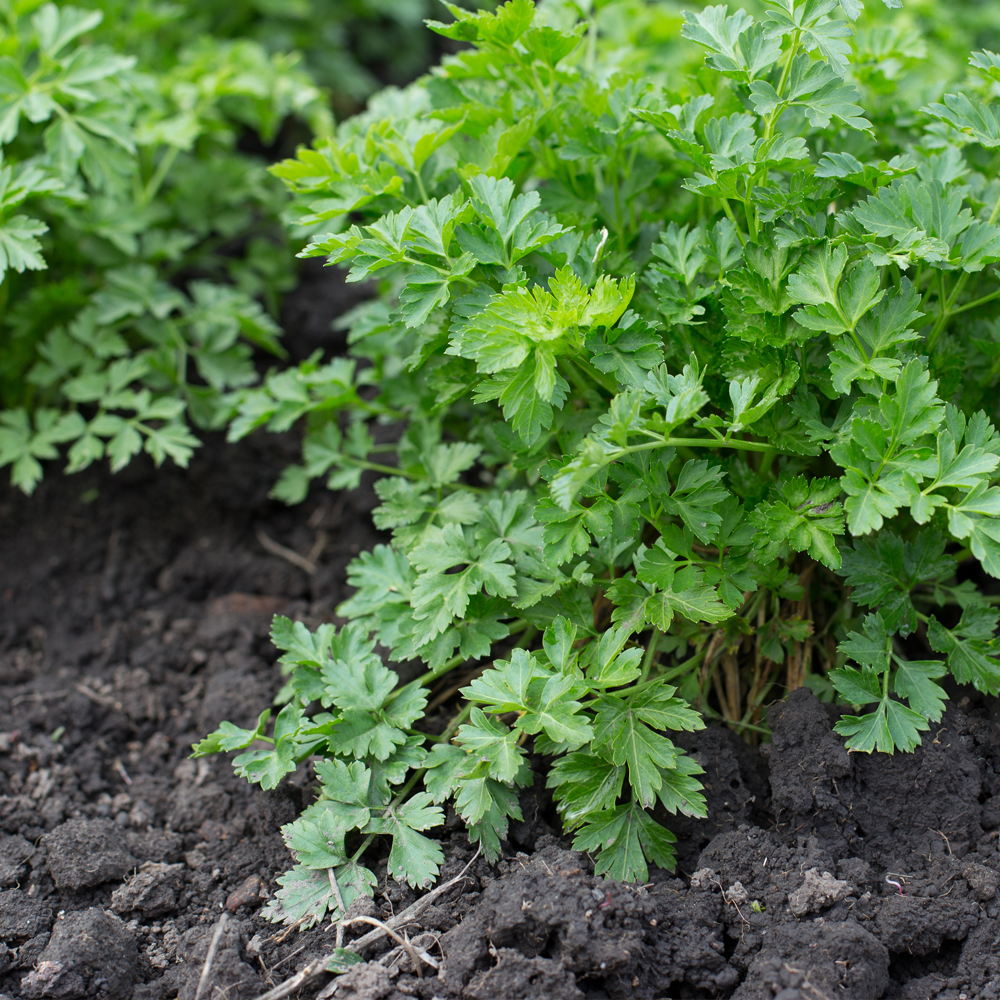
(134, 613)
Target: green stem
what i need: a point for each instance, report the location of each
(389, 470)
(947, 305)
(453, 726)
(728, 209)
(647, 660)
(888, 670)
(737, 445)
(4, 297)
(716, 716)
(394, 470)
(766, 459)
(605, 381)
(420, 186)
(365, 844)
(159, 175)
(414, 778)
(433, 675)
(575, 375)
(786, 69)
(976, 302)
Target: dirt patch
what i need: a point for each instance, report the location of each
(134, 615)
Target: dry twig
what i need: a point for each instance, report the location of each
(403, 941)
(206, 970)
(318, 967)
(282, 552)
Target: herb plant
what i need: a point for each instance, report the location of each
(675, 383)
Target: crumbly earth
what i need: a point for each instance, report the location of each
(134, 613)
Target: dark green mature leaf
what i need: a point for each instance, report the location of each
(622, 736)
(914, 680)
(805, 516)
(584, 784)
(968, 647)
(625, 836)
(414, 858)
(891, 726)
(884, 571)
(492, 743)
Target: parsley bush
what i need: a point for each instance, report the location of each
(674, 381)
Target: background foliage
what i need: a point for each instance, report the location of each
(142, 256)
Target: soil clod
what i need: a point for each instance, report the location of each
(780, 891)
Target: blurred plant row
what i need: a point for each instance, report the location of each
(142, 255)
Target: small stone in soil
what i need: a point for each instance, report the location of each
(982, 881)
(819, 891)
(149, 892)
(249, 893)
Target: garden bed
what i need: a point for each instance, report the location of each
(135, 616)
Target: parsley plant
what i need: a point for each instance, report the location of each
(686, 357)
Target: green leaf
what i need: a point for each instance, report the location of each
(698, 490)
(892, 725)
(739, 47)
(914, 681)
(56, 28)
(358, 733)
(871, 646)
(414, 858)
(557, 642)
(681, 791)
(267, 767)
(622, 736)
(493, 744)
(974, 119)
(506, 686)
(585, 785)
(625, 835)
(307, 895)
(319, 842)
(555, 712)
(859, 687)
(883, 572)
(968, 647)
(657, 706)
(229, 737)
(805, 516)
(344, 783)
(818, 89)
(20, 249)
